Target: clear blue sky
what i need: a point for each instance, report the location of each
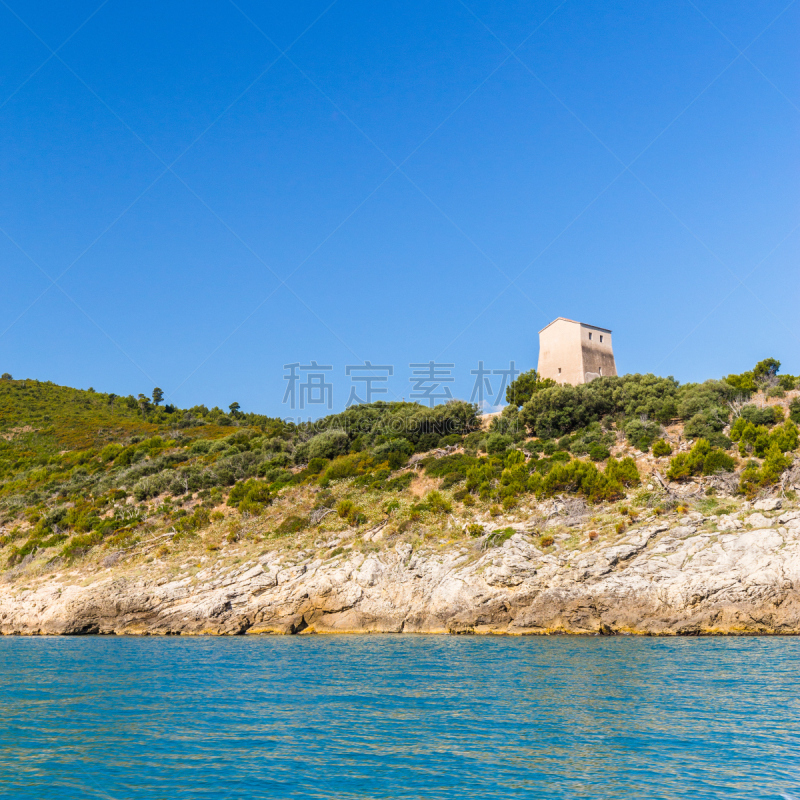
(220, 189)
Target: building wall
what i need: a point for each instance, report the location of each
(597, 353)
(572, 352)
(560, 352)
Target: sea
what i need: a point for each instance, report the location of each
(404, 716)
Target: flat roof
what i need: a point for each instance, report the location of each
(575, 322)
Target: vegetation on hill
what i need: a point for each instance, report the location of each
(81, 468)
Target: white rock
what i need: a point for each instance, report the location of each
(770, 504)
(729, 522)
(252, 573)
(759, 521)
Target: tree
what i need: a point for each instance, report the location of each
(111, 398)
(521, 390)
(234, 409)
(6, 376)
(144, 403)
(158, 395)
(766, 371)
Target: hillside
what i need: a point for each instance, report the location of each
(95, 487)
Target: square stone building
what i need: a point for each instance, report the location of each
(574, 352)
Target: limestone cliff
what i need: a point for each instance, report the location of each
(735, 574)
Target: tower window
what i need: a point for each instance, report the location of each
(601, 338)
(590, 336)
(559, 370)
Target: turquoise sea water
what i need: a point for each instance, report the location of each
(399, 717)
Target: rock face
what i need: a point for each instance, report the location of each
(655, 580)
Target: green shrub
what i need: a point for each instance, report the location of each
(497, 443)
(347, 466)
(794, 410)
(291, 525)
(515, 477)
(328, 444)
(533, 447)
(755, 477)
(717, 461)
(702, 459)
(563, 409)
(478, 475)
(774, 465)
(661, 448)
(499, 537)
(250, 496)
(768, 415)
(623, 471)
(344, 507)
(598, 452)
(520, 390)
(642, 433)
(399, 483)
(507, 423)
(438, 503)
(317, 465)
(396, 452)
(576, 477)
(452, 479)
(440, 467)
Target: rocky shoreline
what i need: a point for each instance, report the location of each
(735, 574)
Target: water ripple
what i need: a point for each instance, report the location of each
(358, 717)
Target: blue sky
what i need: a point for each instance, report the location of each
(195, 194)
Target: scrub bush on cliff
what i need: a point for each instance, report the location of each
(769, 473)
(564, 409)
(758, 439)
(702, 459)
(250, 496)
(577, 477)
(521, 390)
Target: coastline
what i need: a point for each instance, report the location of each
(656, 580)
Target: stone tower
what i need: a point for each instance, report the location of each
(573, 352)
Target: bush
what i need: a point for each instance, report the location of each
(768, 415)
(563, 409)
(497, 443)
(577, 477)
(344, 507)
(794, 410)
(451, 480)
(754, 478)
(642, 433)
(438, 503)
(520, 390)
(291, 525)
(317, 465)
(661, 448)
(702, 459)
(458, 463)
(250, 496)
(347, 467)
(396, 452)
(508, 424)
(623, 471)
(717, 461)
(598, 452)
(328, 444)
